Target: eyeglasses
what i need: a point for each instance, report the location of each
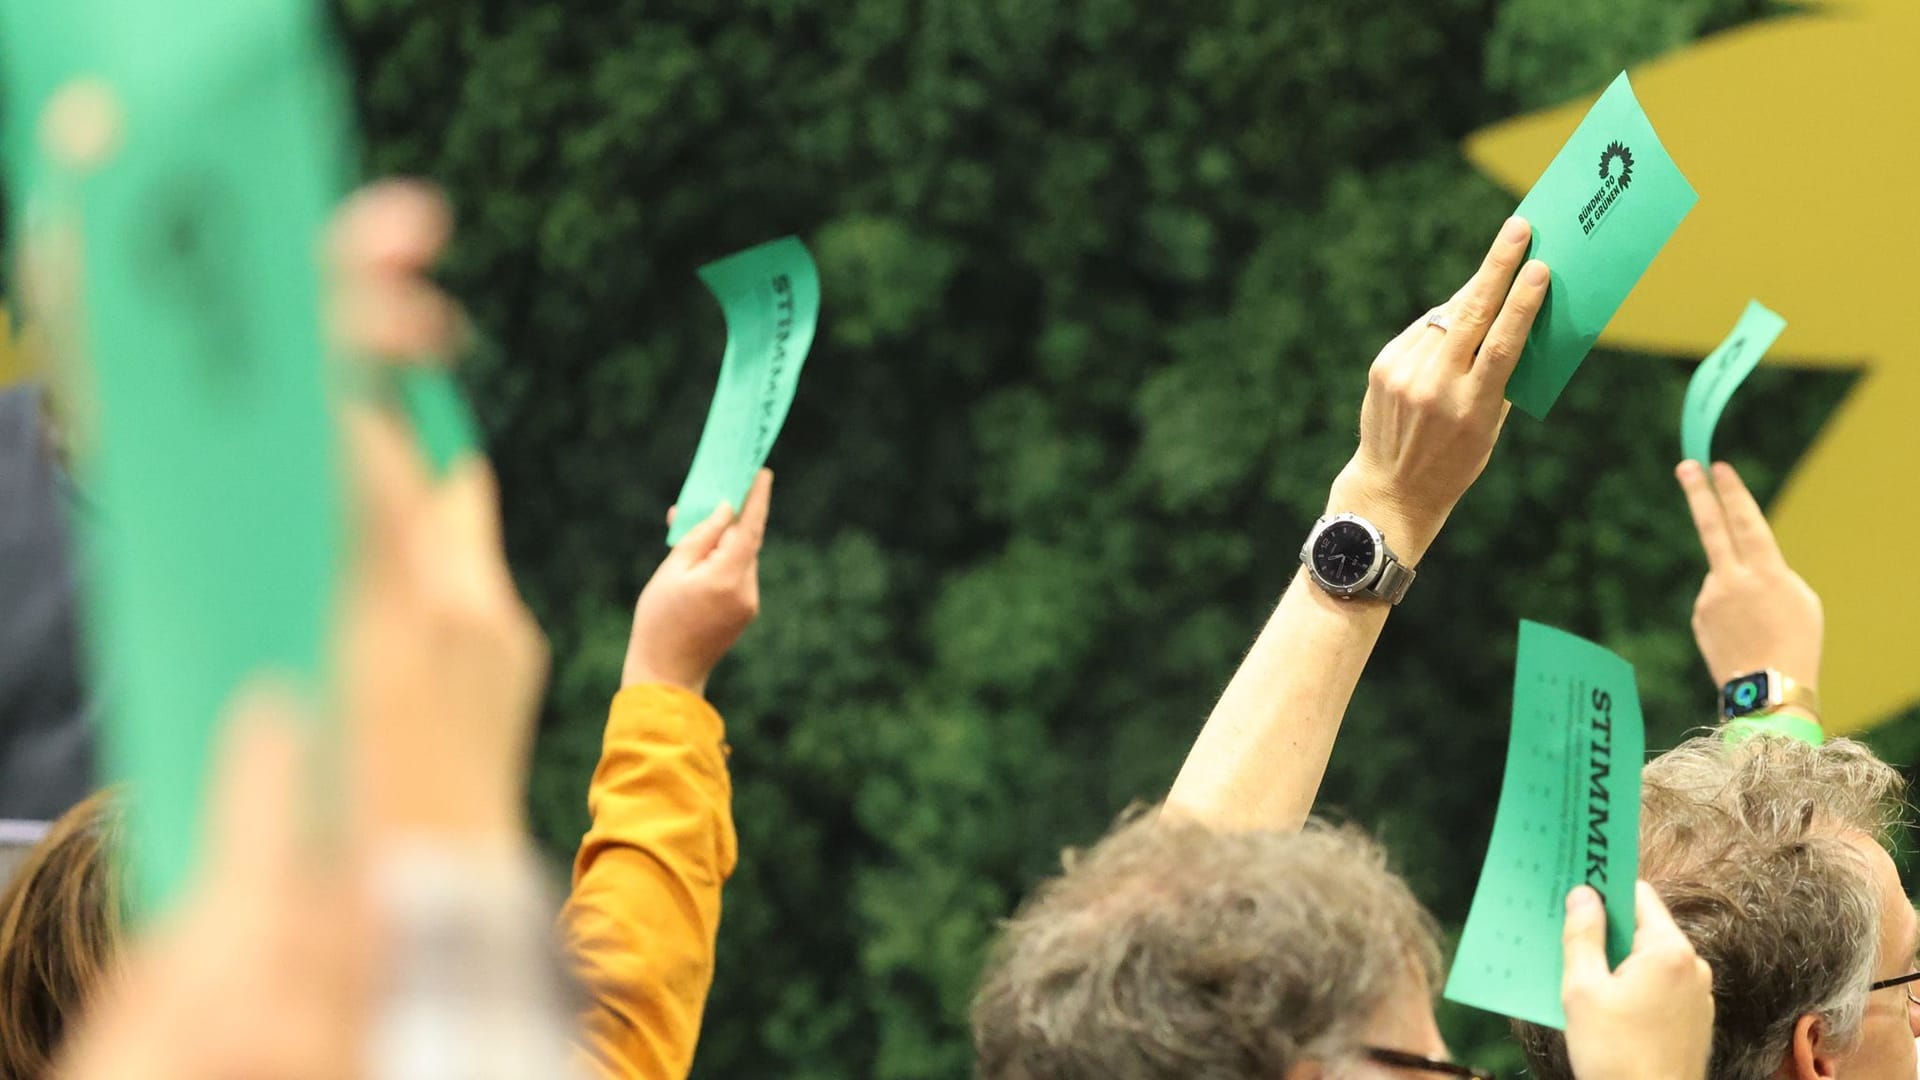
(1904, 980)
(1404, 1060)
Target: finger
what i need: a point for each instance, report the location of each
(672, 512)
(468, 509)
(1709, 518)
(391, 226)
(396, 317)
(1508, 337)
(1746, 522)
(702, 538)
(1653, 923)
(1403, 352)
(1583, 940)
(1472, 310)
(1404, 341)
(254, 803)
(741, 544)
(391, 487)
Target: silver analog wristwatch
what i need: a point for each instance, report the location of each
(1347, 556)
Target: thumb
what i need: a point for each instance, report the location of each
(702, 538)
(1584, 940)
(1653, 923)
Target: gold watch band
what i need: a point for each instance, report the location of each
(1795, 695)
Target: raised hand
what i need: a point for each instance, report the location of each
(275, 939)
(1436, 399)
(382, 305)
(1753, 611)
(441, 664)
(1650, 1019)
(702, 598)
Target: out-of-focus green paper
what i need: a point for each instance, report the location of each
(442, 420)
(1720, 374)
(40, 41)
(1604, 208)
(771, 297)
(214, 551)
(1569, 814)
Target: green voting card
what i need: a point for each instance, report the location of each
(1720, 374)
(443, 422)
(214, 552)
(1600, 213)
(771, 299)
(1569, 815)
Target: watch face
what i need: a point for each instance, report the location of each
(1744, 695)
(1344, 553)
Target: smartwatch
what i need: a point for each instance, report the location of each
(1763, 692)
(1347, 556)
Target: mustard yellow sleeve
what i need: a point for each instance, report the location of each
(645, 906)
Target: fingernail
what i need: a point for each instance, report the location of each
(1515, 230)
(1687, 469)
(1535, 273)
(1581, 900)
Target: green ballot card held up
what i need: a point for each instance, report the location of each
(1569, 815)
(1604, 208)
(213, 553)
(771, 298)
(1720, 374)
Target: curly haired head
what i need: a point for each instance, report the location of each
(1171, 950)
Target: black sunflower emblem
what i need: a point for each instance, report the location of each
(1617, 151)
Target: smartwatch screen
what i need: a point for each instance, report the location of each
(1344, 553)
(1744, 696)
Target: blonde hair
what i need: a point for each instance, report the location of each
(60, 928)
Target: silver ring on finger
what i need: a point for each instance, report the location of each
(1440, 319)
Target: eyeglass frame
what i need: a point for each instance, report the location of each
(1401, 1059)
(1906, 980)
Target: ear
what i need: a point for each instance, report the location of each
(1810, 1055)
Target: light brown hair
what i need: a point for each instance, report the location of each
(1170, 950)
(60, 927)
(1748, 846)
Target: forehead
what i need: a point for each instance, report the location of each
(1899, 926)
(1405, 1021)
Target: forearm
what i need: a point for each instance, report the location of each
(645, 906)
(1433, 411)
(1260, 758)
(1259, 761)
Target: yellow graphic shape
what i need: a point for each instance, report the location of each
(1799, 132)
(13, 364)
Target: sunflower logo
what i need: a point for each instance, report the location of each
(1616, 151)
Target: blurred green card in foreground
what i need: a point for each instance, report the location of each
(1720, 374)
(1569, 814)
(771, 298)
(215, 547)
(1604, 208)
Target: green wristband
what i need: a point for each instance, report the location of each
(1793, 727)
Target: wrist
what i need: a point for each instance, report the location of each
(638, 674)
(1408, 530)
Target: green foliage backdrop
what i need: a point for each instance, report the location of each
(1102, 281)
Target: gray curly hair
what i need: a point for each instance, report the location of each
(1171, 950)
(1749, 846)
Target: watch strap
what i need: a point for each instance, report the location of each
(1394, 580)
(1795, 695)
